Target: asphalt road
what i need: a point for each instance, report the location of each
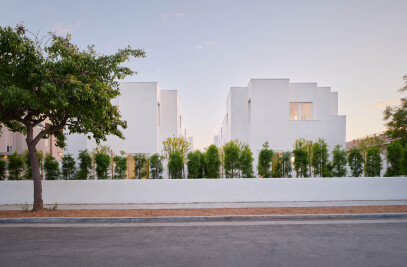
(319, 243)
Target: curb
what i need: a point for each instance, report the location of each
(232, 218)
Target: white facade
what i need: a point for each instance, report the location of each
(261, 112)
(152, 116)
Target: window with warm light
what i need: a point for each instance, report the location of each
(300, 111)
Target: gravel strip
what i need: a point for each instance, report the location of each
(204, 212)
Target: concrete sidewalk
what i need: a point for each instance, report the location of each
(276, 204)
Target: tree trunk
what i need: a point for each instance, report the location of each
(35, 169)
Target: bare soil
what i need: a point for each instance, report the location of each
(203, 212)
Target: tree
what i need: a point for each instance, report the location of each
(51, 168)
(232, 156)
(102, 161)
(246, 162)
(265, 161)
(2, 169)
(373, 162)
(355, 161)
(222, 161)
(15, 166)
(140, 165)
(394, 157)
(194, 164)
(212, 162)
(27, 162)
(85, 165)
(306, 145)
(177, 143)
(396, 119)
(320, 157)
(301, 162)
(156, 166)
(120, 169)
(286, 166)
(68, 169)
(175, 164)
(404, 161)
(60, 87)
(338, 162)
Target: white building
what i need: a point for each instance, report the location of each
(152, 116)
(280, 112)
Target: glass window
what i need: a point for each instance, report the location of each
(300, 111)
(305, 111)
(294, 111)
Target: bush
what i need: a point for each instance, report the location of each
(232, 155)
(301, 162)
(395, 159)
(212, 162)
(140, 165)
(51, 168)
(286, 167)
(338, 162)
(265, 161)
(2, 169)
(355, 161)
(246, 162)
(320, 157)
(373, 162)
(175, 164)
(15, 166)
(28, 171)
(85, 165)
(194, 164)
(68, 167)
(102, 161)
(156, 166)
(120, 166)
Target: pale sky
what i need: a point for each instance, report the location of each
(202, 48)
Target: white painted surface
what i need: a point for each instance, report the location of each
(152, 116)
(206, 190)
(267, 119)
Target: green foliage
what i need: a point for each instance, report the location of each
(68, 167)
(2, 169)
(338, 162)
(156, 166)
(395, 159)
(278, 170)
(286, 166)
(15, 166)
(320, 157)
(265, 161)
(355, 162)
(232, 156)
(373, 162)
(85, 165)
(194, 164)
(404, 161)
(51, 168)
(246, 162)
(396, 119)
(175, 164)
(102, 161)
(301, 162)
(58, 83)
(212, 162)
(120, 169)
(306, 145)
(140, 165)
(27, 162)
(177, 143)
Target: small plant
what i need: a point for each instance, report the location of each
(24, 207)
(54, 207)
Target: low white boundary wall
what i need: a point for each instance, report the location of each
(206, 190)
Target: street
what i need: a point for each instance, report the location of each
(280, 243)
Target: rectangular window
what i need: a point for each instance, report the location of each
(10, 149)
(300, 111)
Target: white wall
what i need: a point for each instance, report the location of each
(206, 190)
